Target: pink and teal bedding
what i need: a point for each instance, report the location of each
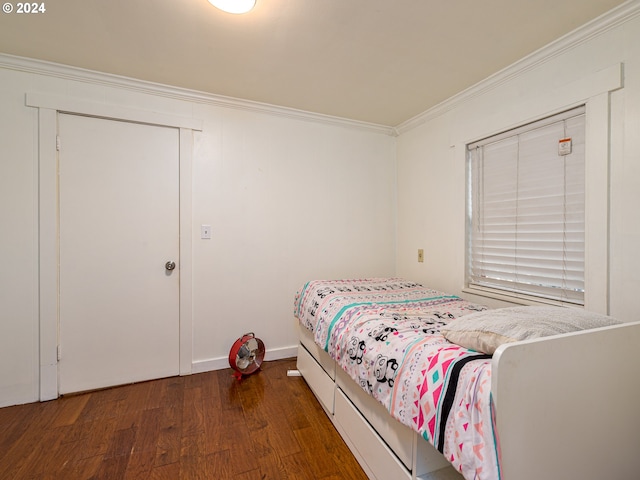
(385, 334)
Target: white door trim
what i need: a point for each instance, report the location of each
(48, 235)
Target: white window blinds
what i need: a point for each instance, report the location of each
(526, 210)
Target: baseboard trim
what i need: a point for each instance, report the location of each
(219, 363)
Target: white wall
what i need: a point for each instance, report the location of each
(289, 201)
(290, 197)
(431, 158)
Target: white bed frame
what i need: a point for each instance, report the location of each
(567, 407)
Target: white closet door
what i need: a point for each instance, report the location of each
(118, 226)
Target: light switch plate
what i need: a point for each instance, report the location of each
(205, 232)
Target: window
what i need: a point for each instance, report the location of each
(526, 204)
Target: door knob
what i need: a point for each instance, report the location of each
(170, 265)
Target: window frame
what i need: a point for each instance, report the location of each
(536, 293)
(595, 95)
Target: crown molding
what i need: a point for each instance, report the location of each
(51, 69)
(581, 35)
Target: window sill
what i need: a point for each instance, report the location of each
(517, 298)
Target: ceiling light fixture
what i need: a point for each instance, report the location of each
(234, 6)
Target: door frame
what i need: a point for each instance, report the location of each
(48, 229)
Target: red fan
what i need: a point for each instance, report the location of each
(246, 355)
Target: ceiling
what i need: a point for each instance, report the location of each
(377, 61)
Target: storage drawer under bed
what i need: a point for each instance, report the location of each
(327, 363)
(365, 443)
(396, 435)
(317, 378)
(414, 453)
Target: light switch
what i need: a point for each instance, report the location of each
(205, 232)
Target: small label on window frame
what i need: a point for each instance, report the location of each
(564, 146)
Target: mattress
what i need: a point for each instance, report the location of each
(385, 334)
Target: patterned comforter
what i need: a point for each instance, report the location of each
(385, 334)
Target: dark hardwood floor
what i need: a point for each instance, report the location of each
(204, 426)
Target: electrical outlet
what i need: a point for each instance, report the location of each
(420, 255)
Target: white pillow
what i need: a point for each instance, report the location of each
(485, 331)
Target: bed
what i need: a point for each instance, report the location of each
(415, 380)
